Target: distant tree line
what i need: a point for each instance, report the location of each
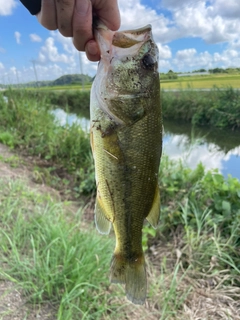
(218, 70)
(170, 75)
(68, 79)
(174, 75)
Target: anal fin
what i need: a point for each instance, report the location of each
(102, 223)
(154, 214)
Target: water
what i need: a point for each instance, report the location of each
(214, 148)
(64, 118)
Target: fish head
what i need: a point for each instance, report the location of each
(129, 59)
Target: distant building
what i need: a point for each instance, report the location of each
(193, 74)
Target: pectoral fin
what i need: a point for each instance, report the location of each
(154, 214)
(102, 223)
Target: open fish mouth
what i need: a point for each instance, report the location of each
(129, 38)
(114, 43)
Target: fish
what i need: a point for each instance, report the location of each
(126, 142)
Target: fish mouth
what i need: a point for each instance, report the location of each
(128, 38)
(121, 39)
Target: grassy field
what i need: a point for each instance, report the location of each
(202, 82)
(185, 82)
(57, 261)
(65, 87)
(52, 255)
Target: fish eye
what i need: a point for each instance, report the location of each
(148, 62)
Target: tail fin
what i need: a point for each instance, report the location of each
(133, 274)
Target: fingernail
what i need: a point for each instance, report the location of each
(92, 48)
(82, 6)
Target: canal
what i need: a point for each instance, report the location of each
(214, 148)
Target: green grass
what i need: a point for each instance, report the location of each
(52, 258)
(185, 82)
(216, 108)
(63, 87)
(46, 253)
(27, 123)
(202, 82)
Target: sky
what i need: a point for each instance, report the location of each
(190, 34)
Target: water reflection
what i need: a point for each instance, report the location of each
(64, 118)
(213, 148)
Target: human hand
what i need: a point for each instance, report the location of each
(73, 18)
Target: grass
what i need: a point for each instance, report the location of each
(216, 108)
(202, 82)
(184, 82)
(51, 257)
(46, 253)
(27, 124)
(61, 87)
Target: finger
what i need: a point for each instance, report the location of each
(65, 10)
(48, 16)
(82, 24)
(108, 12)
(92, 51)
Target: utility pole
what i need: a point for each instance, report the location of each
(18, 84)
(35, 71)
(81, 69)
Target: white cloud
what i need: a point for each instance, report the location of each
(177, 5)
(13, 70)
(206, 19)
(66, 43)
(189, 59)
(59, 49)
(49, 52)
(134, 14)
(2, 50)
(35, 38)
(164, 65)
(185, 58)
(1, 66)
(164, 51)
(214, 21)
(7, 6)
(17, 36)
(229, 9)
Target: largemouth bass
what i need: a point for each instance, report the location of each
(126, 141)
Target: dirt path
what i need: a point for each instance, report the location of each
(23, 171)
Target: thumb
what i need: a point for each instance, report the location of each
(108, 12)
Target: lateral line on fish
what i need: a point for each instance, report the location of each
(110, 154)
(134, 96)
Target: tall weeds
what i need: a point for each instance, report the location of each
(217, 108)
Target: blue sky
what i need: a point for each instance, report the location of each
(190, 34)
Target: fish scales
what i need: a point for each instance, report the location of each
(126, 140)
